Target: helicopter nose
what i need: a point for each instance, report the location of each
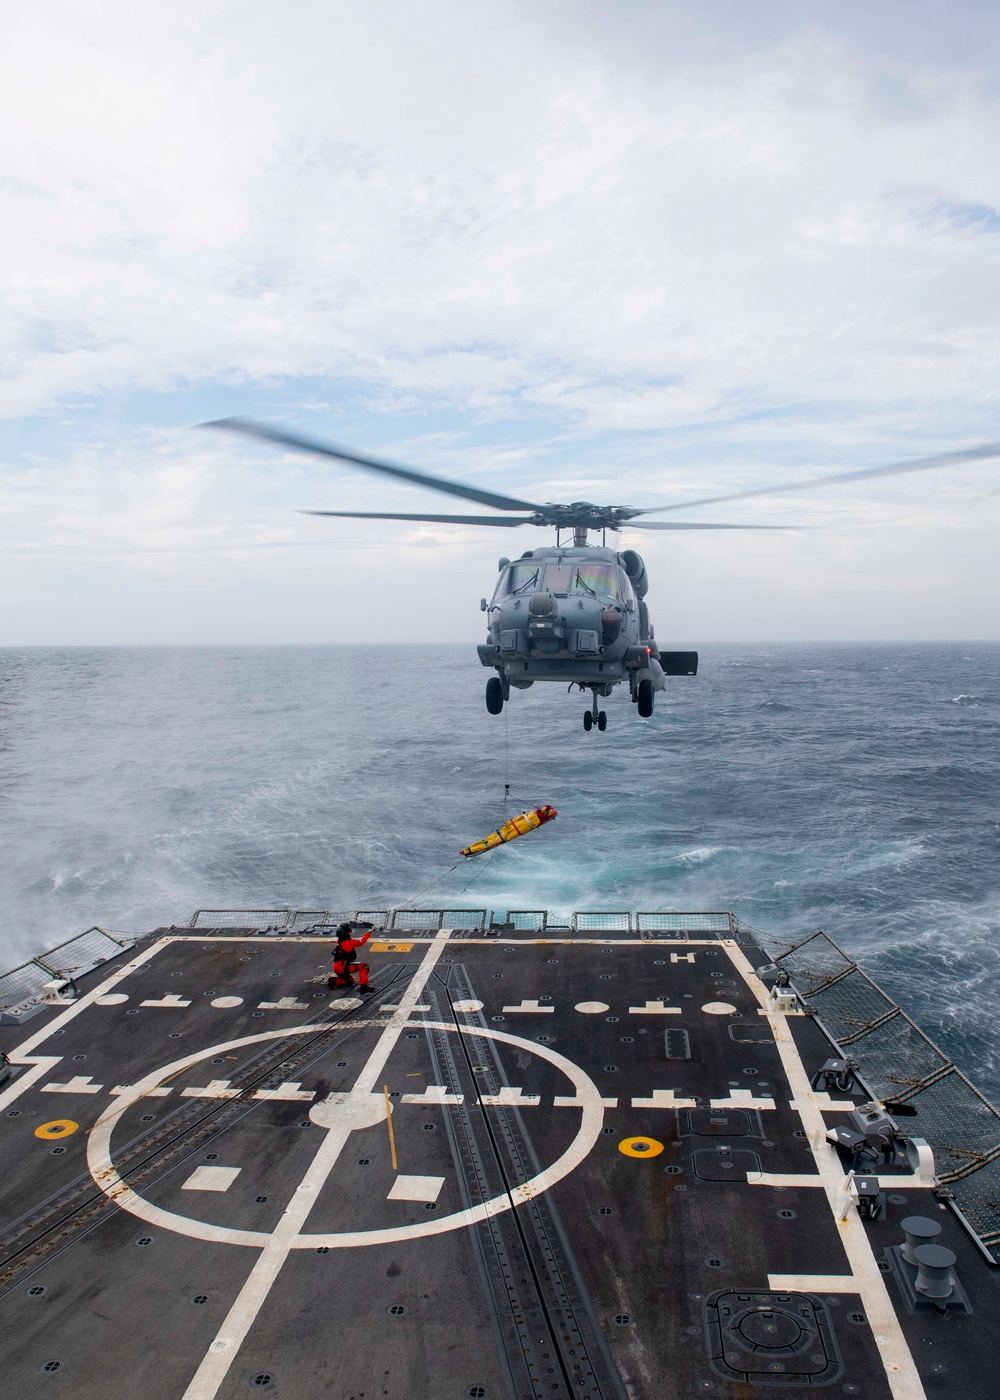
(542, 605)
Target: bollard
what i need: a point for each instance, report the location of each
(918, 1231)
(934, 1276)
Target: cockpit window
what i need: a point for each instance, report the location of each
(519, 579)
(587, 577)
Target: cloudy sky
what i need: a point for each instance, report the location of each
(625, 252)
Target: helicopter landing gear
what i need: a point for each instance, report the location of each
(494, 695)
(644, 699)
(594, 715)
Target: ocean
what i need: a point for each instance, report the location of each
(852, 788)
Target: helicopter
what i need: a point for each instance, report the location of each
(572, 613)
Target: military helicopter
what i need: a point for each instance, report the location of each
(572, 613)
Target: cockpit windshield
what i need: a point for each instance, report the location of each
(519, 579)
(588, 577)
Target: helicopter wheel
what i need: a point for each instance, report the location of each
(588, 720)
(494, 695)
(602, 721)
(644, 699)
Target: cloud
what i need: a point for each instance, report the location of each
(633, 248)
(461, 207)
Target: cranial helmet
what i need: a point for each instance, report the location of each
(343, 930)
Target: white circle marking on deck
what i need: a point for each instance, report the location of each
(105, 1173)
(224, 1003)
(591, 1008)
(111, 999)
(332, 1111)
(718, 1008)
(465, 1007)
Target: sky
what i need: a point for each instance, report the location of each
(631, 253)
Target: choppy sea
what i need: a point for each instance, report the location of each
(849, 788)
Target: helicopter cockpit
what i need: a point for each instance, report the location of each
(566, 577)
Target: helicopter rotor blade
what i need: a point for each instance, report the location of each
(507, 520)
(692, 525)
(324, 449)
(813, 483)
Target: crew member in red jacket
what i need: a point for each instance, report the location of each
(344, 958)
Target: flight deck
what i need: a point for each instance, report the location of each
(531, 1163)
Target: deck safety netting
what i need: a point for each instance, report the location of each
(673, 921)
(81, 954)
(599, 920)
(850, 1006)
(22, 984)
(899, 1062)
(531, 920)
(240, 918)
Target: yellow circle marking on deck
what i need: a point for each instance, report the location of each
(392, 948)
(58, 1128)
(640, 1147)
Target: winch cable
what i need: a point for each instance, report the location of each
(498, 821)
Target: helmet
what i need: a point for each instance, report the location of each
(344, 930)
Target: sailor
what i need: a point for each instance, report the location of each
(344, 958)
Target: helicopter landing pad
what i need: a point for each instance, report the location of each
(519, 1168)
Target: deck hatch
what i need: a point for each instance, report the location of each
(771, 1339)
(677, 1043)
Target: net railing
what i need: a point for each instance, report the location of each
(602, 920)
(901, 1063)
(22, 985)
(23, 988)
(418, 920)
(679, 921)
(241, 918)
(81, 954)
(530, 920)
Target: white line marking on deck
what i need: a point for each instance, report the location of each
(900, 1367)
(171, 1000)
(682, 957)
(106, 1176)
(531, 1007)
(782, 1179)
(823, 1101)
(654, 1008)
(416, 1188)
(290, 1090)
(742, 1098)
(511, 1098)
(574, 1101)
(79, 1084)
(211, 1179)
(434, 1093)
(285, 1004)
(214, 1089)
(664, 1098)
(149, 1094)
(813, 1283)
(215, 1365)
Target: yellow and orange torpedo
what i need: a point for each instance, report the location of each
(510, 831)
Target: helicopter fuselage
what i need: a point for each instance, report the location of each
(576, 615)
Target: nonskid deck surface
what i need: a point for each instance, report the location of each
(605, 1177)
